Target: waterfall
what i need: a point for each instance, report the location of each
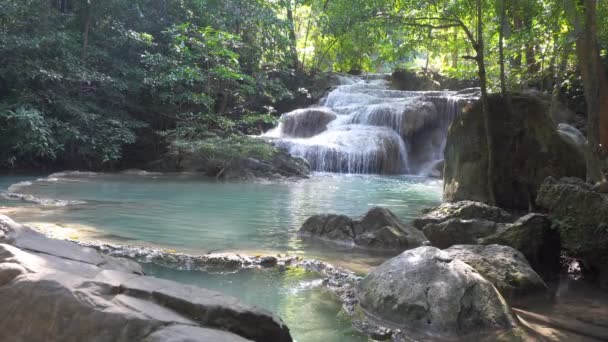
(362, 126)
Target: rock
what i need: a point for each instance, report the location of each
(527, 149)
(59, 291)
(189, 158)
(378, 229)
(268, 261)
(386, 237)
(375, 332)
(466, 210)
(458, 232)
(504, 267)
(306, 123)
(329, 226)
(426, 291)
(581, 216)
(534, 236)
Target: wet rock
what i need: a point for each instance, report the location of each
(458, 232)
(504, 267)
(527, 149)
(330, 226)
(581, 216)
(465, 210)
(268, 261)
(378, 229)
(68, 292)
(377, 333)
(534, 236)
(427, 292)
(306, 123)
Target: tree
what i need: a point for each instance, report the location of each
(593, 72)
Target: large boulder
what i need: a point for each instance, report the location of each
(458, 232)
(534, 236)
(504, 266)
(465, 210)
(581, 215)
(58, 291)
(426, 291)
(527, 149)
(305, 123)
(379, 228)
(338, 228)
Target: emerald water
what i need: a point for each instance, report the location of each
(191, 214)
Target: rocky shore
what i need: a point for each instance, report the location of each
(59, 291)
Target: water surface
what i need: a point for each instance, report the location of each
(190, 214)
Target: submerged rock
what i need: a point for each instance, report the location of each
(429, 293)
(504, 266)
(527, 149)
(59, 291)
(378, 229)
(581, 216)
(465, 210)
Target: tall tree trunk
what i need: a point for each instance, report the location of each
(485, 106)
(455, 50)
(593, 74)
(292, 35)
(86, 27)
(501, 35)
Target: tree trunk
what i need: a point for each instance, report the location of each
(501, 34)
(455, 50)
(87, 18)
(292, 35)
(593, 74)
(485, 107)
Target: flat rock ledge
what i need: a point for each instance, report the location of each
(378, 229)
(55, 290)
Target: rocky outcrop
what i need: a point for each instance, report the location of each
(468, 222)
(504, 267)
(190, 158)
(457, 232)
(534, 236)
(279, 165)
(305, 123)
(527, 149)
(378, 229)
(465, 210)
(55, 290)
(427, 292)
(581, 216)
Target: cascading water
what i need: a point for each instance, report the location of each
(362, 126)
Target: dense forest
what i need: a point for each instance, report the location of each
(103, 84)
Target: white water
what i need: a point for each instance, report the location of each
(371, 129)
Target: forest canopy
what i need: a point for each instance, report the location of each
(90, 83)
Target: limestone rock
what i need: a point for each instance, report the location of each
(457, 232)
(379, 228)
(426, 291)
(59, 291)
(504, 267)
(306, 123)
(527, 149)
(581, 216)
(465, 210)
(534, 236)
